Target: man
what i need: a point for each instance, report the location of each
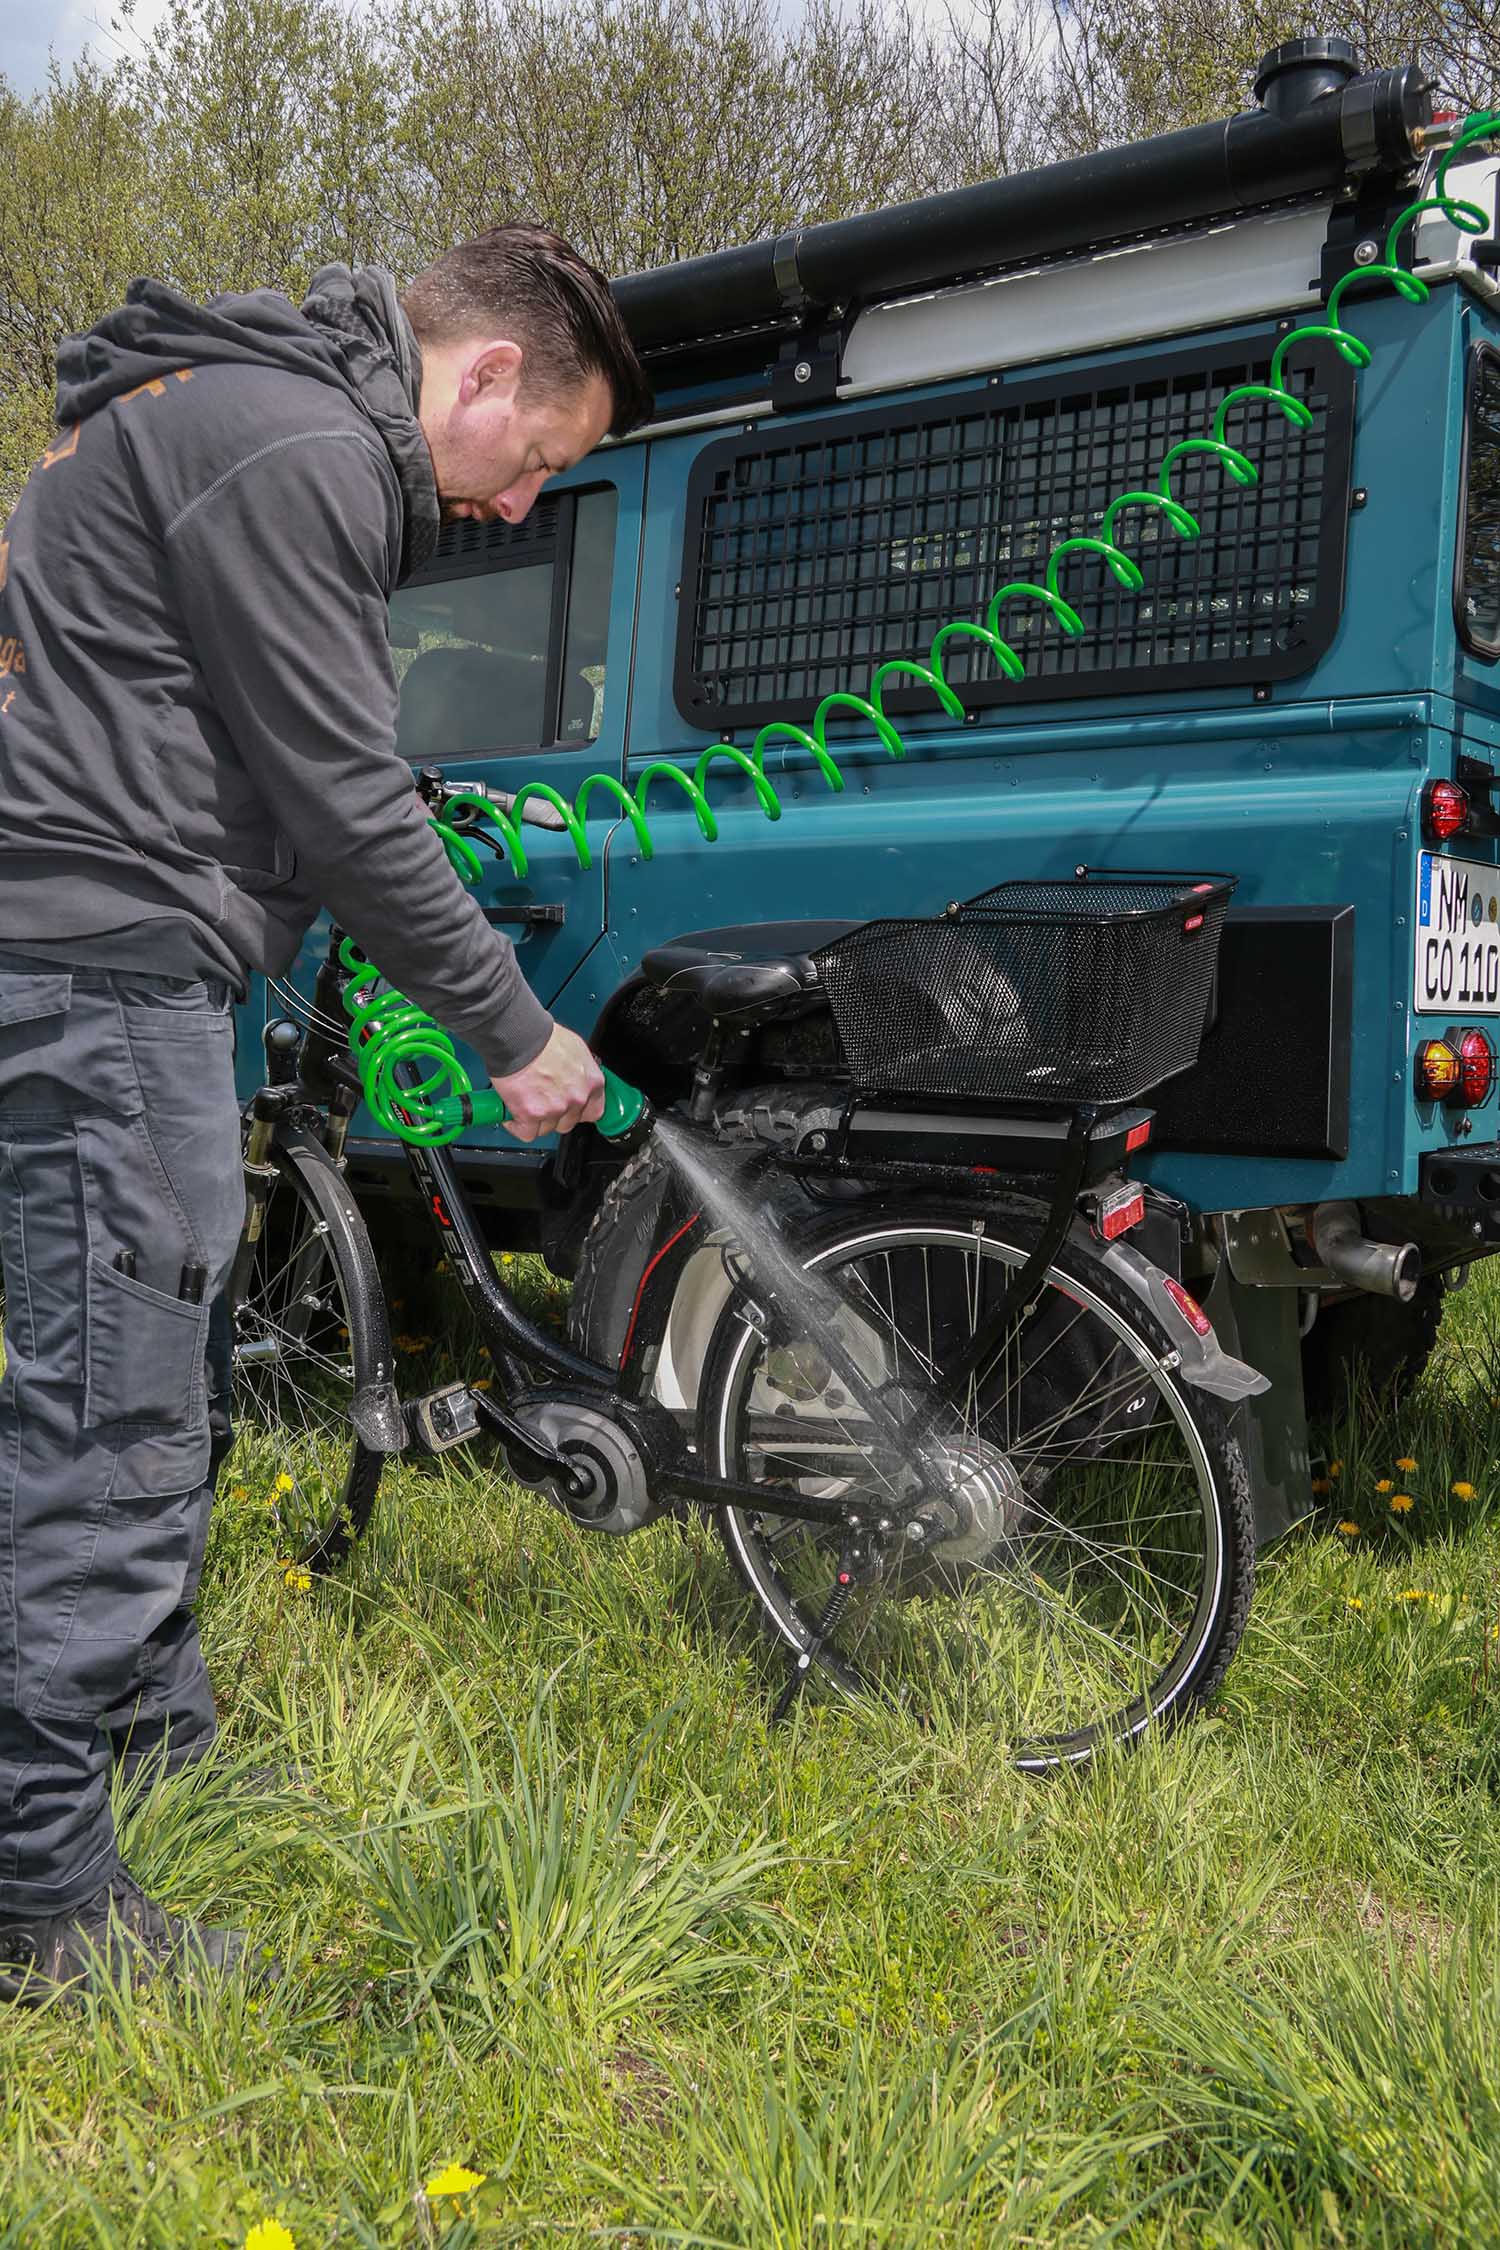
(197, 729)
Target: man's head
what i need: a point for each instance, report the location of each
(525, 365)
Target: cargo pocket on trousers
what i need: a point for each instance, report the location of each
(143, 1366)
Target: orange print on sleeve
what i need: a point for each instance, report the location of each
(63, 449)
(4, 563)
(12, 656)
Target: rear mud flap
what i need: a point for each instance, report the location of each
(1204, 1362)
(378, 1422)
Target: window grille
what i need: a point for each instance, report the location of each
(819, 549)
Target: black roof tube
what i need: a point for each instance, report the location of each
(1367, 124)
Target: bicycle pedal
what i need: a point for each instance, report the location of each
(442, 1419)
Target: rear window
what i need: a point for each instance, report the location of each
(816, 549)
(1477, 583)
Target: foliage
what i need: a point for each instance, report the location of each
(249, 141)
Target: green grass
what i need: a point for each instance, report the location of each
(554, 1905)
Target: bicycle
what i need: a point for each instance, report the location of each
(964, 1446)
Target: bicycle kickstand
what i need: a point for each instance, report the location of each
(851, 1555)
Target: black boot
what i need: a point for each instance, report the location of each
(119, 1927)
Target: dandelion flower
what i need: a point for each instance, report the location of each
(238, 1492)
(1402, 1503)
(1320, 1484)
(1335, 1468)
(299, 1580)
(483, 1384)
(1405, 1461)
(1385, 1484)
(269, 2234)
(1416, 1594)
(284, 1483)
(1462, 1491)
(1349, 1528)
(1352, 1601)
(507, 1257)
(455, 2179)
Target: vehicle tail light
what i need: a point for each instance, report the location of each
(1476, 1068)
(1119, 1212)
(1439, 1072)
(1189, 1307)
(1138, 1136)
(1445, 811)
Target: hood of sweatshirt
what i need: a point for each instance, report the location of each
(349, 331)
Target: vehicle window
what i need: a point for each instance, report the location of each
(817, 548)
(1478, 590)
(499, 642)
(588, 616)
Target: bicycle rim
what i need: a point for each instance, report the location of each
(294, 1384)
(1088, 1551)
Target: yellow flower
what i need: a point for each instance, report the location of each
(238, 1492)
(1335, 1468)
(1417, 1594)
(1402, 1503)
(1405, 1461)
(284, 1483)
(483, 1384)
(1353, 1602)
(1320, 1484)
(455, 2179)
(507, 1257)
(1350, 1530)
(269, 2234)
(1385, 1484)
(1462, 1491)
(299, 1580)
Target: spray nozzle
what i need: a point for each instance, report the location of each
(628, 1116)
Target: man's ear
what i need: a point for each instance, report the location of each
(493, 375)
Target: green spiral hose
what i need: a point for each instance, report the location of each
(388, 1028)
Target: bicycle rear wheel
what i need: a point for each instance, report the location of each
(1084, 1558)
(309, 1327)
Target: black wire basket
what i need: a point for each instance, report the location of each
(1089, 990)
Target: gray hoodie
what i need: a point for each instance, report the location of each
(197, 706)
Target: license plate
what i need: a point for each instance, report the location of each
(1458, 936)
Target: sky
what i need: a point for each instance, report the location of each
(29, 27)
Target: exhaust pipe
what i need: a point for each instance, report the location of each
(1384, 1269)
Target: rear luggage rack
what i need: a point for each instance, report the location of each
(1089, 991)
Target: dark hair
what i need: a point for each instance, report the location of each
(555, 303)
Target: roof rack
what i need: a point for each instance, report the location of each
(1318, 126)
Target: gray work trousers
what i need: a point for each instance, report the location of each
(121, 1200)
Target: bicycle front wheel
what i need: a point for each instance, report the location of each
(1083, 1555)
(309, 1329)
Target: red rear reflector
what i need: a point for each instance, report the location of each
(1119, 1212)
(1445, 810)
(1476, 1068)
(1438, 1071)
(1138, 1136)
(1189, 1307)
(1193, 922)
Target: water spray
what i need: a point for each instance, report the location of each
(387, 1028)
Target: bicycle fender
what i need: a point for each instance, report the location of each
(375, 1409)
(1203, 1361)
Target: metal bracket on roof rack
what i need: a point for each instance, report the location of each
(1357, 228)
(809, 369)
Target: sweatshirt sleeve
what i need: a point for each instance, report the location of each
(280, 572)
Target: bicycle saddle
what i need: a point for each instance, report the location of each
(747, 972)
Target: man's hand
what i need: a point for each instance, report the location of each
(564, 1087)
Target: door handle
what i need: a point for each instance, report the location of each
(553, 912)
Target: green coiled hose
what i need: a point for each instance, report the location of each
(388, 1028)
